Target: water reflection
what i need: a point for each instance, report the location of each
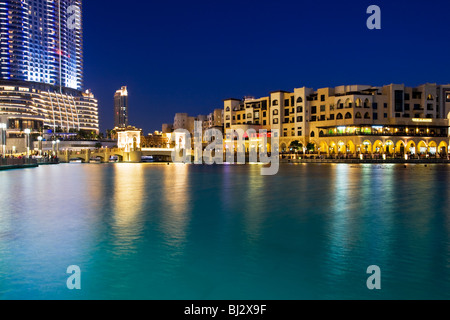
(129, 195)
(343, 215)
(177, 204)
(254, 205)
(349, 229)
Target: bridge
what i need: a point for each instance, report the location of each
(105, 154)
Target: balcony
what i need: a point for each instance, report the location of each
(383, 134)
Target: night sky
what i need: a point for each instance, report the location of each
(187, 56)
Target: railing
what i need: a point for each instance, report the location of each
(17, 161)
(47, 161)
(384, 134)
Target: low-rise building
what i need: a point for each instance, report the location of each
(351, 120)
(156, 140)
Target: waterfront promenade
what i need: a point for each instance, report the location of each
(374, 161)
(377, 159)
(24, 163)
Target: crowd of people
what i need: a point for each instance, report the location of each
(45, 157)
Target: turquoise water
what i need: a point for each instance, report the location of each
(144, 231)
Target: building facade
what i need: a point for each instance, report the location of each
(121, 108)
(186, 122)
(156, 140)
(42, 41)
(36, 106)
(351, 120)
(41, 71)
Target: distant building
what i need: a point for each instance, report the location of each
(215, 119)
(156, 140)
(184, 121)
(129, 138)
(167, 128)
(181, 121)
(351, 120)
(121, 108)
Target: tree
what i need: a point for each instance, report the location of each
(296, 145)
(310, 147)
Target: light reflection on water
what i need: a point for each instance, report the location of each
(141, 231)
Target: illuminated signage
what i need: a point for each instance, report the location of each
(422, 120)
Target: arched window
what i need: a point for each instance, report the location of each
(339, 116)
(358, 103)
(299, 100)
(348, 103)
(340, 105)
(228, 109)
(366, 103)
(348, 115)
(275, 102)
(313, 134)
(430, 97)
(321, 133)
(358, 115)
(275, 112)
(367, 116)
(228, 117)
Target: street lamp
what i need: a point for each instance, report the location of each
(3, 137)
(57, 147)
(28, 132)
(40, 145)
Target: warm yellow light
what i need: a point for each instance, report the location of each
(422, 120)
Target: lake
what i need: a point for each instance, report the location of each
(149, 231)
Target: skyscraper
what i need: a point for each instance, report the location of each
(42, 41)
(41, 69)
(121, 108)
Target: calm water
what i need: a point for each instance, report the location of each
(143, 231)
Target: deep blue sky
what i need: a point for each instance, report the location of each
(187, 56)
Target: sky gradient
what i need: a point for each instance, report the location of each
(187, 56)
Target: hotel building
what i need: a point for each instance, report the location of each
(351, 120)
(121, 108)
(41, 70)
(38, 44)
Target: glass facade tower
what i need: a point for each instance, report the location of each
(121, 108)
(41, 69)
(42, 41)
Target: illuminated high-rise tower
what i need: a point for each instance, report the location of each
(121, 108)
(41, 69)
(42, 41)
